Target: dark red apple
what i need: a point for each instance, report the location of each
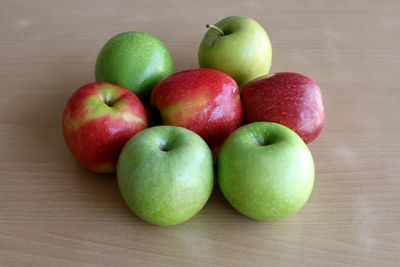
(291, 99)
(98, 120)
(202, 100)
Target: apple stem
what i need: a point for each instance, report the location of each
(215, 28)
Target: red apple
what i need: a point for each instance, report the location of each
(98, 120)
(291, 99)
(202, 100)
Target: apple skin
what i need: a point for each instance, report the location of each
(205, 101)
(288, 98)
(134, 60)
(244, 51)
(165, 175)
(98, 120)
(265, 171)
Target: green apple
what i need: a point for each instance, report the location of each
(165, 174)
(238, 46)
(134, 60)
(265, 171)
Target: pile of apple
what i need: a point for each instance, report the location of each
(166, 172)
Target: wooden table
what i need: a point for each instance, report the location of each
(54, 213)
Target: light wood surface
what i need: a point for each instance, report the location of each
(54, 213)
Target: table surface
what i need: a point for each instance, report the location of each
(54, 213)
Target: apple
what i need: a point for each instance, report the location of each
(134, 60)
(265, 171)
(165, 174)
(98, 120)
(237, 46)
(205, 101)
(291, 99)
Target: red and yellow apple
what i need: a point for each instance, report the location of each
(202, 100)
(288, 98)
(98, 120)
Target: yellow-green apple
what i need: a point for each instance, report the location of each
(165, 174)
(205, 101)
(265, 171)
(237, 46)
(98, 120)
(288, 98)
(134, 60)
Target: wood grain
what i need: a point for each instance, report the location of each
(54, 213)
